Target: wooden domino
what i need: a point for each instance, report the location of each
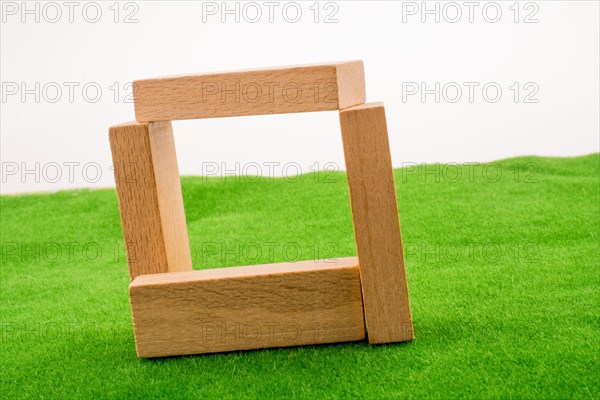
(321, 87)
(150, 200)
(177, 310)
(251, 307)
(376, 224)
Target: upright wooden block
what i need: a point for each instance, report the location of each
(376, 224)
(150, 200)
(281, 90)
(241, 308)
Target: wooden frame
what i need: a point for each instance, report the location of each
(179, 311)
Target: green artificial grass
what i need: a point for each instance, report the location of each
(503, 274)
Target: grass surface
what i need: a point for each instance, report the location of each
(503, 273)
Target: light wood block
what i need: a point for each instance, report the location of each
(376, 225)
(150, 200)
(281, 90)
(242, 308)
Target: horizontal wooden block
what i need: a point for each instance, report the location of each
(242, 308)
(281, 90)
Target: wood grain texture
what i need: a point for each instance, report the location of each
(280, 90)
(376, 225)
(242, 308)
(150, 200)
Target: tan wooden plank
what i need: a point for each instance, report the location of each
(280, 90)
(150, 200)
(242, 308)
(376, 225)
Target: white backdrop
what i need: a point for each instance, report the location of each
(462, 81)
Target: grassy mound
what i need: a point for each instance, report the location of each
(502, 261)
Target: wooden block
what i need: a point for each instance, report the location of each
(252, 92)
(150, 199)
(242, 308)
(376, 224)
